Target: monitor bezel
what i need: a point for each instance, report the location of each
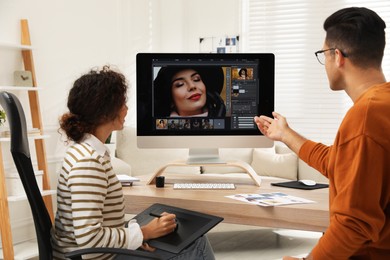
(144, 80)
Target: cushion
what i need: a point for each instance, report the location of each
(282, 148)
(307, 172)
(147, 161)
(276, 165)
(120, 167)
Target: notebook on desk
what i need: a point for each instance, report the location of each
(191, 225)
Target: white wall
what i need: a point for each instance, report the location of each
(71, 36)
(184, 22)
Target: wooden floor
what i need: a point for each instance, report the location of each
(232, 242)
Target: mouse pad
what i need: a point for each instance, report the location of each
(298, 185)
(191, 225)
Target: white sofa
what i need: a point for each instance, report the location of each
(277, 161)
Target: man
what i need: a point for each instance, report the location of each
(358, 163)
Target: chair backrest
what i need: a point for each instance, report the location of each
(21, 155)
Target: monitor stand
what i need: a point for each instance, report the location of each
(209, 157)
(204, 156)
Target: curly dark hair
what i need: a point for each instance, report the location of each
(94, 99)
(243, 70)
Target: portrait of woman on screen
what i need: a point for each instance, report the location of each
(181, 91)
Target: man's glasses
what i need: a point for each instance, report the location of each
(321, 55)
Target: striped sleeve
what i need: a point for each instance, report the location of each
(90, 203)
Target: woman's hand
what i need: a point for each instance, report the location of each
(145, 246)
(159, 227)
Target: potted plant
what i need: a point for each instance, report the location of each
(2, 121)
(2, 117)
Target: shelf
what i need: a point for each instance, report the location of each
(15, 46)
(24, 197)
(19, 88)
(25, 250)
(33, 137)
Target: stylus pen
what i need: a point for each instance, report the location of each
(155, 215)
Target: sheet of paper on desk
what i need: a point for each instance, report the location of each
(269, 199)
(126, 179)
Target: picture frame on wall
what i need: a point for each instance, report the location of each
(23, 78)
(225, 44)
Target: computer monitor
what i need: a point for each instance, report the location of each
(203, 101)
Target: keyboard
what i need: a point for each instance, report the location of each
(204, 186)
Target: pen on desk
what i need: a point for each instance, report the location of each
(155, 215)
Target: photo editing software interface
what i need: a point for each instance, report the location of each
(230, 89)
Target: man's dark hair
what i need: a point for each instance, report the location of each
(359, 33)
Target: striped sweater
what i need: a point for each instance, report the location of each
(90, 205)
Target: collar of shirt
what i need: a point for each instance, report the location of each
(96, 144)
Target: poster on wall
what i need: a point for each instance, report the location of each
(226, 44)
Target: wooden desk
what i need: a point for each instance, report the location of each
(311, 217)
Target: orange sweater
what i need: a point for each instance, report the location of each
(358, 168)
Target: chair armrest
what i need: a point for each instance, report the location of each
(76, 255)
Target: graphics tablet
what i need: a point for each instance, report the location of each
(191, 225)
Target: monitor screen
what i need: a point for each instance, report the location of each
(203, 100)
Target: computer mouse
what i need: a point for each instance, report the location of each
(308, 182)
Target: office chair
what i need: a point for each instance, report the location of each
(21, 155)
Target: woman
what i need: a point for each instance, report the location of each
(189, 91)
(243, 73)
(90, 201)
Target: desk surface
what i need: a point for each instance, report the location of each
(312, 217)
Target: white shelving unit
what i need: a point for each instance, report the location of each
(2, 88)
(8, 139)
(23, 197)
(26, 249)
(11, 45)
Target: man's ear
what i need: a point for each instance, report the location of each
(339, 57)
